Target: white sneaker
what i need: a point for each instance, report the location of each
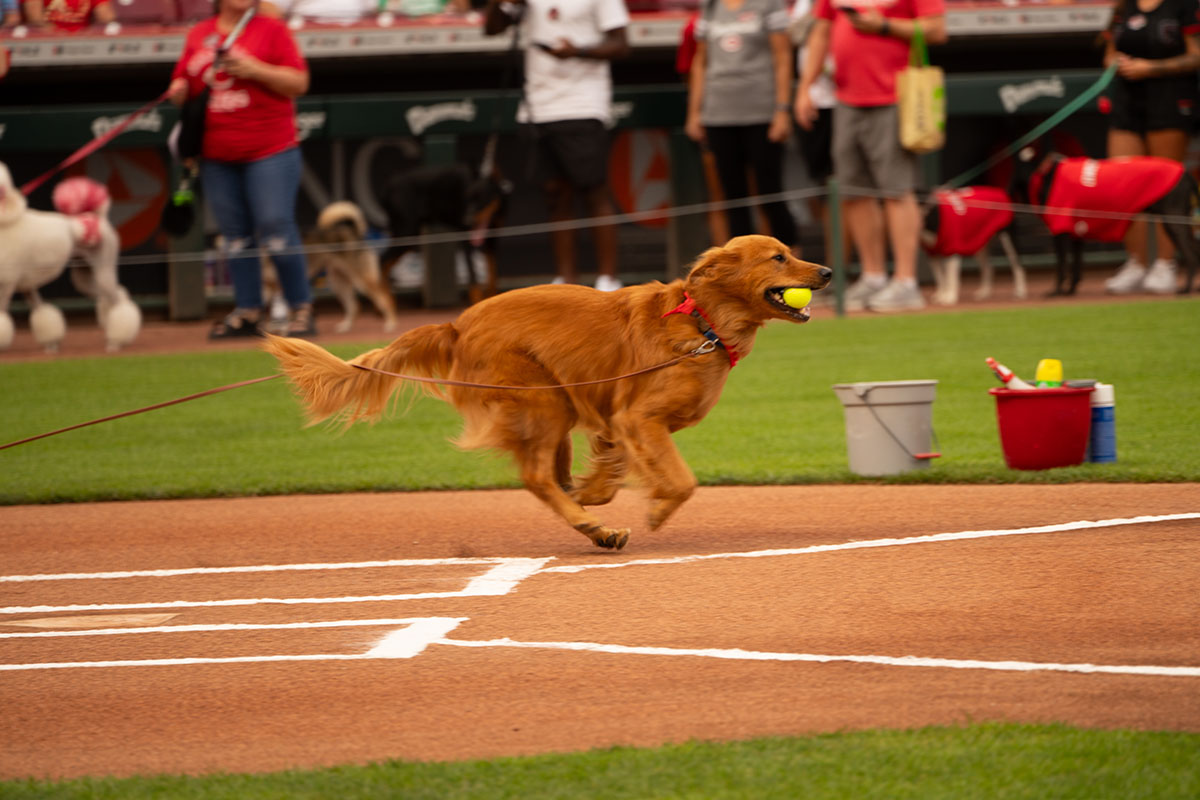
(409, 271)
(607, 283)
(897, 296)
(1160, 279)
(1128, 278)
(860, 292)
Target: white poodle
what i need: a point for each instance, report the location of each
(36, 246)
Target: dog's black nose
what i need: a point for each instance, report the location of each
(825, 272)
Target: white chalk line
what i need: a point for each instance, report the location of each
(408, 642)
(172, 573)
(499, 580)
(892, 542)
(419, 633)
(224, 626)
(737, 654)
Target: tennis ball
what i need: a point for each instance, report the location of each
(797, 298)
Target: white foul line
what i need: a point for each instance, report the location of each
(498, 580)
(869, 543)
(737, 654)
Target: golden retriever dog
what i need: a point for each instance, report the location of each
(552, 336)
(36, 246)
(338, 248)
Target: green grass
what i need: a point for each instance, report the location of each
(778, 421)
(978, 761)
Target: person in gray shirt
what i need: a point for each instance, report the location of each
(739, 93)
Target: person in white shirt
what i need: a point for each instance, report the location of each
(568, 99)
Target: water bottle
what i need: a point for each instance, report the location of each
(1102, 446)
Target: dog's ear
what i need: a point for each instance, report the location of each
(705, 266)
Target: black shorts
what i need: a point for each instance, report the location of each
(574, 151)
(816, 146)
(1153, 105)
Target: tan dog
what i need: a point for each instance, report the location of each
(337, 247)
(561, 334)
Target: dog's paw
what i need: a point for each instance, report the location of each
(607, 538)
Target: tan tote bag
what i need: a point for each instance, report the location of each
(921, 97)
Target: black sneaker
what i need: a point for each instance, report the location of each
(234, 326)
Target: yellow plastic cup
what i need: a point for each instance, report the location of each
(1049, 373)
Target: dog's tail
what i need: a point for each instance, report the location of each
(330, 388)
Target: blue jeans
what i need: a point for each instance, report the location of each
(254, 203)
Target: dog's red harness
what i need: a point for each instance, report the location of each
(689, 307)
(1125, 184)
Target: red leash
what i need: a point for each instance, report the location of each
(92, 146)
(176, 401)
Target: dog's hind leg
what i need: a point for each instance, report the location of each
(538, 462)
(1020, 288)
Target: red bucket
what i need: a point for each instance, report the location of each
(1043, 428)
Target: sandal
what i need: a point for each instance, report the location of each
(234, 326)
(302, 323)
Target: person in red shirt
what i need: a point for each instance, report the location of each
(68, 15)
(250, 160)
(869, 41)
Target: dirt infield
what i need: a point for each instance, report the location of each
(473, 624)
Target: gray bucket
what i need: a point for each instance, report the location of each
(889, 425)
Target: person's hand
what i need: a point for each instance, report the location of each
(806, 111)
(177, 91)
(868, 20)
(560, 49)
(781, 127)
(238, 63)
(693, 129)
(1134, 69)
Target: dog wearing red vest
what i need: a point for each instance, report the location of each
(962, 222)
(36, 246)
(1095, 199)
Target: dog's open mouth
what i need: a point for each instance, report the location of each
(774, 296)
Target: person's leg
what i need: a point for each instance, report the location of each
(560, 200)
(1169, 143)
(863, 216)
(605, 236)
(904, 226)
(225, 194)
(725, 143)
(272, 185)
(1129, 143)
(895, 170)
(766, 160)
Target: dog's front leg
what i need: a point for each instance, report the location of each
(1060, 264)
(1076, 265)
(609, 466)
(946, 272)
(662, 468)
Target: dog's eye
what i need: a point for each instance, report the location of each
(780, 258)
